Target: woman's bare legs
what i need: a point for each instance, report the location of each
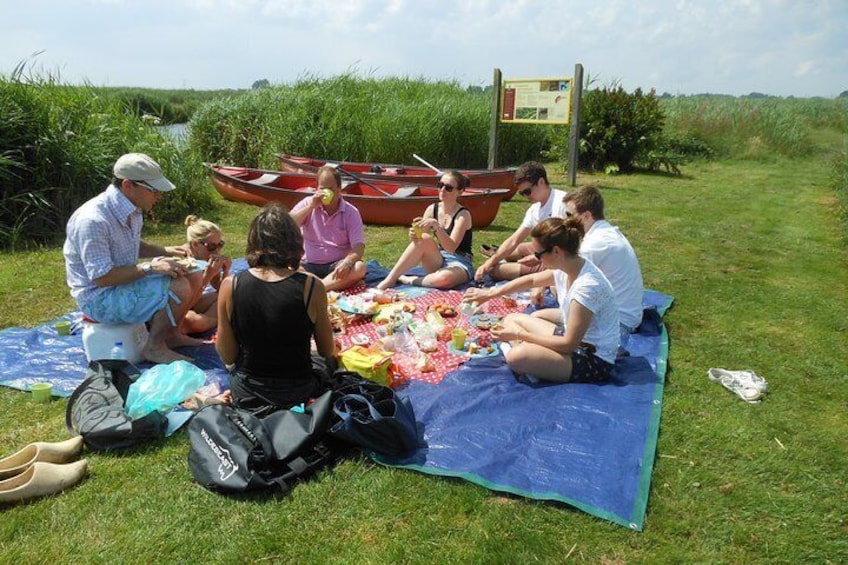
(423, 251)
(529, 358)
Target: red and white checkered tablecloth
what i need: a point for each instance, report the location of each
(442, 359)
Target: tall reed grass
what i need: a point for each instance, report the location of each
(755, 128)
(57, 147)
(363, 119)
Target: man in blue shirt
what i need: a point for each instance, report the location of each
(102, 247)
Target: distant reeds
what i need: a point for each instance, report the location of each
(755, 128)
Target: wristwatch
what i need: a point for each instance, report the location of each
(146, 268)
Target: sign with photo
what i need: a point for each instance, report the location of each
(532, 101)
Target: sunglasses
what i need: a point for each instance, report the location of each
(213, 247)
(145, 185)
(526, 192)
(448, 187)
(539, 254)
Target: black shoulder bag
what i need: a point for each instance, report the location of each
(96, 409)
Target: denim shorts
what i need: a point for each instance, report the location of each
(459, 260)
(132, 303)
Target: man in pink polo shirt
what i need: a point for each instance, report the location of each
(333, 236)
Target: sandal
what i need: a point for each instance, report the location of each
(488, 250)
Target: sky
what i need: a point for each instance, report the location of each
(778, 47)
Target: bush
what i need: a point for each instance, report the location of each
(618, 129)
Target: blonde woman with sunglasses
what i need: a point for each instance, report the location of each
(439, 241)
(204, 242)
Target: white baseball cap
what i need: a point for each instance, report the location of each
(141, 168)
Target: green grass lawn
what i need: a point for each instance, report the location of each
(752, 253)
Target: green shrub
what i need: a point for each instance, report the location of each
(618, 129)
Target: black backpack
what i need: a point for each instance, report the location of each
(96, 409)
(231, 450)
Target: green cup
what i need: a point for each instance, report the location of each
(328, 197)
(41, 392)
(458, 336)
(63, 327)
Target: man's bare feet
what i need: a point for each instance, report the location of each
(407, 279)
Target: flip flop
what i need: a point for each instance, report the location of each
(488, 250)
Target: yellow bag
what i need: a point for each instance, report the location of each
(375, 365)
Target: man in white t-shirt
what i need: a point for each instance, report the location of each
(532, 181)
(606, 247)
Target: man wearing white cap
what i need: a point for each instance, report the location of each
(102, 249)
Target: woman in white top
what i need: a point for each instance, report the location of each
(576, 342)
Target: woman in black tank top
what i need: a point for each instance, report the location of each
(439, 241)
(267, 317)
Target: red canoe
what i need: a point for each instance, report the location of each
(379, 202)
(412, 174)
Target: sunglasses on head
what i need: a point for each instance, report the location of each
(539, 254)
(446, 186)
(213, 247)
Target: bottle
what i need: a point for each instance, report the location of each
(118, 353)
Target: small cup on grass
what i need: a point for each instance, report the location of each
(41, 392)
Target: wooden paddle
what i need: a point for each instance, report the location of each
(426, 163)
(357, 178)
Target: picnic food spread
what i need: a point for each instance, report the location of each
(416, 332)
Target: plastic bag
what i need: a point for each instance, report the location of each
(404, 343)
(162, 387)
(425, 335)
(375, 365)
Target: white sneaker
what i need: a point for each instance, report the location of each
(747, 385)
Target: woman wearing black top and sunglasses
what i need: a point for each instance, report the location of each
(439, 241)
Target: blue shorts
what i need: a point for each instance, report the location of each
(133, 303)
(321, 270)
(459, 260)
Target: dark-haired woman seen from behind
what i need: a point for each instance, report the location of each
(440, 241)
(576, 342)
(267, 316)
